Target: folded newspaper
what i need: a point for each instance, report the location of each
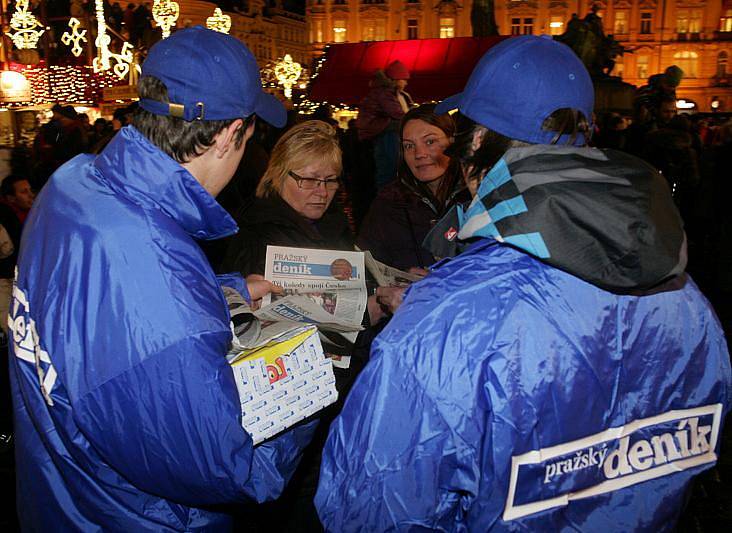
(280, 370)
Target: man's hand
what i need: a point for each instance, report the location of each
(258, 288)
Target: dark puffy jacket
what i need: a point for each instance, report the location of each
(265, 221)
(398, 220)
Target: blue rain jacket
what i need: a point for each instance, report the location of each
(508, 393)
(127, 415)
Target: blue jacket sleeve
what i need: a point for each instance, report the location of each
(392, 462)
(171, 426)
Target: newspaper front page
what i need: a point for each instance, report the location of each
(323, 287)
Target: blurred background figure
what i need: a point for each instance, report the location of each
(379, 116)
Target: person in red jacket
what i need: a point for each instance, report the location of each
(379, 116)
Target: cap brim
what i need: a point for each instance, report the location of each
(448, 104)
(271, 110)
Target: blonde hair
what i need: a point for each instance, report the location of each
(301, 145)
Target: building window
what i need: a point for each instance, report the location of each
(373, 30)
(695, 21)
(447, 27)
(619, 68)
(339, 31)
(725, 21)
(688, 62)
(641, 64)
(620, 25)
(318, 31)
(682, 22)
(556, 25)
(528, 26)
(412, 29)
(523, 26)
(646, 22)
(722, 64)
(515, 26)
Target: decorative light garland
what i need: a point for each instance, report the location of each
(219, 22)
(26, 27)
(79, 85)
(165, 13)
(105, 56)
(287, 73)
(74, 36)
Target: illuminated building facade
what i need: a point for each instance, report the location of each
(696, 35)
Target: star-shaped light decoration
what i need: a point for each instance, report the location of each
(219, 22)
(287, 73)
(165, 13)
(26, 27)
(74, 36)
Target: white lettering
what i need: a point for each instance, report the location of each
(640, 455)
(617, 461)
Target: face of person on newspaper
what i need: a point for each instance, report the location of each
(304, 194)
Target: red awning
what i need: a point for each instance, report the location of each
(438, 67)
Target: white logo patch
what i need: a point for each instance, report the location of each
(26, 343)
(611, 460)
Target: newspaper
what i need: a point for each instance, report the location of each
(323, 287)
(249, 332)
(387, 276)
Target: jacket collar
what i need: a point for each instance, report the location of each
(138, 170)
(276, 211)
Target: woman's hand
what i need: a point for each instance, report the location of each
(390, 298)
(258, 288)
(418, 271)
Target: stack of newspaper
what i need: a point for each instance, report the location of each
(281, 370)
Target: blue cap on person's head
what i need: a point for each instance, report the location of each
(519, 83)
(209, 76)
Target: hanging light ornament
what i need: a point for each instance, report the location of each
(26, 27)
(219, 22)
(74, 36)
(105, 56)
(287, 73)
(165, 13)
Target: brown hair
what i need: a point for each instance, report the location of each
(179, 139)
(301, 145)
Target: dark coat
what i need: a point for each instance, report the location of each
(266, 221)
(398, 221)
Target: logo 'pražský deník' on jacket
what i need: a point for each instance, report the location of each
(611, 460)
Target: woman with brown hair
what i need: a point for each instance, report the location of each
(428, 184)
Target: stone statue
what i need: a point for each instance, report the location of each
(588, 40)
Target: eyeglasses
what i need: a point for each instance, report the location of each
(312, 183)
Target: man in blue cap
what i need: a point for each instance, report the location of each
(127, 414)
(562, 372)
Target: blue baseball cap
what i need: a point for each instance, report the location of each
(520, 82)
(209, 76)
